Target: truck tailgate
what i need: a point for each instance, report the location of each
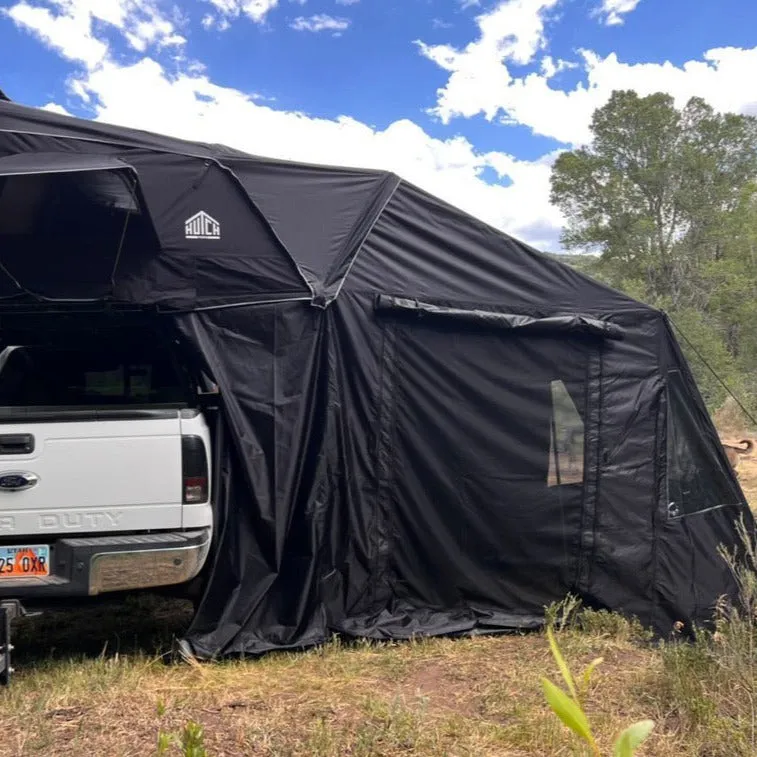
(87, 476)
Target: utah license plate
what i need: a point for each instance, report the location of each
(24, 562)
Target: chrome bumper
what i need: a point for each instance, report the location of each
(89, 566)
(146, 568)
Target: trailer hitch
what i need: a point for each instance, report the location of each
(10, 609)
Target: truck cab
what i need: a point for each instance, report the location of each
(105, 464)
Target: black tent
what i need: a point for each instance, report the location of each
(428, 427)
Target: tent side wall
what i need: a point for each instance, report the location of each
(273, 546)
(458, 519)
(603, 541)
(630, 555)
(700, 502)
(618, 532)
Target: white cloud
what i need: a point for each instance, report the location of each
(55, 108)
(191, 106)
(479, 78)
(481, 81)
(612, 11)
(255, 10)
(319, 23)
(438, 23)
(347, 2)
(146, 33)
(70, 35)
(221, 23)
(67, 25)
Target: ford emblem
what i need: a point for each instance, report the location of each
(17, 482)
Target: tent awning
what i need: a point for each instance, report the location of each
(575, 322)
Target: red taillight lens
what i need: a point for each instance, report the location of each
(195, 489)
(194, 464)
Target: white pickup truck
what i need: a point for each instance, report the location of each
(105, 468)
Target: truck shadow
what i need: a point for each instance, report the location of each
(131, 624)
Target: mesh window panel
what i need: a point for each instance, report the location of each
(697, 477)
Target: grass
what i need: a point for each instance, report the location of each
(482, 696)
(462, 697)
(103, 681)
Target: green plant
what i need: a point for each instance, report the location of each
(563, 614)
(191, 742)
(568, 707)
(612, 625)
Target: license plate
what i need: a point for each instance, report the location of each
(24, 562)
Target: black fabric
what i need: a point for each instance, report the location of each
(571, 322)
(426, 426)
(334, 211)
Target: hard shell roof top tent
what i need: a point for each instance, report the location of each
(428, 427)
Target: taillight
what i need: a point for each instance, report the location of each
(194, 470)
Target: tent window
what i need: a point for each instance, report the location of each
(698, 478)
(566, 453)
(31, 203)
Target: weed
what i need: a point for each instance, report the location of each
(612, 625)
(711, 683)
(563, 614)
(569, 707)
(570, 613)
(190, 742)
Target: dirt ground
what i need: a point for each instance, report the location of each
(103, 683)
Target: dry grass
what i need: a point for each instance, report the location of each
(456, 697)
(747, 471)
(730, 419)
(435, 697)
(733, 425)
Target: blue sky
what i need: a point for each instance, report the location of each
(471, 100)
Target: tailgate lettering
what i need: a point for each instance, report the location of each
(7, 523)
(78, 521)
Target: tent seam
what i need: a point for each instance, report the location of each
(115, 142)
(267, 223)
(398, 182)
(229, 306)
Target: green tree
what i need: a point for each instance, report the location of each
(666, 200)
(654, 191)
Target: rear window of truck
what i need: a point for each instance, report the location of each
(89, 376)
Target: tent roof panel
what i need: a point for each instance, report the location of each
(326, 217)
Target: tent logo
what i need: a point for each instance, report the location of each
(202, 226)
